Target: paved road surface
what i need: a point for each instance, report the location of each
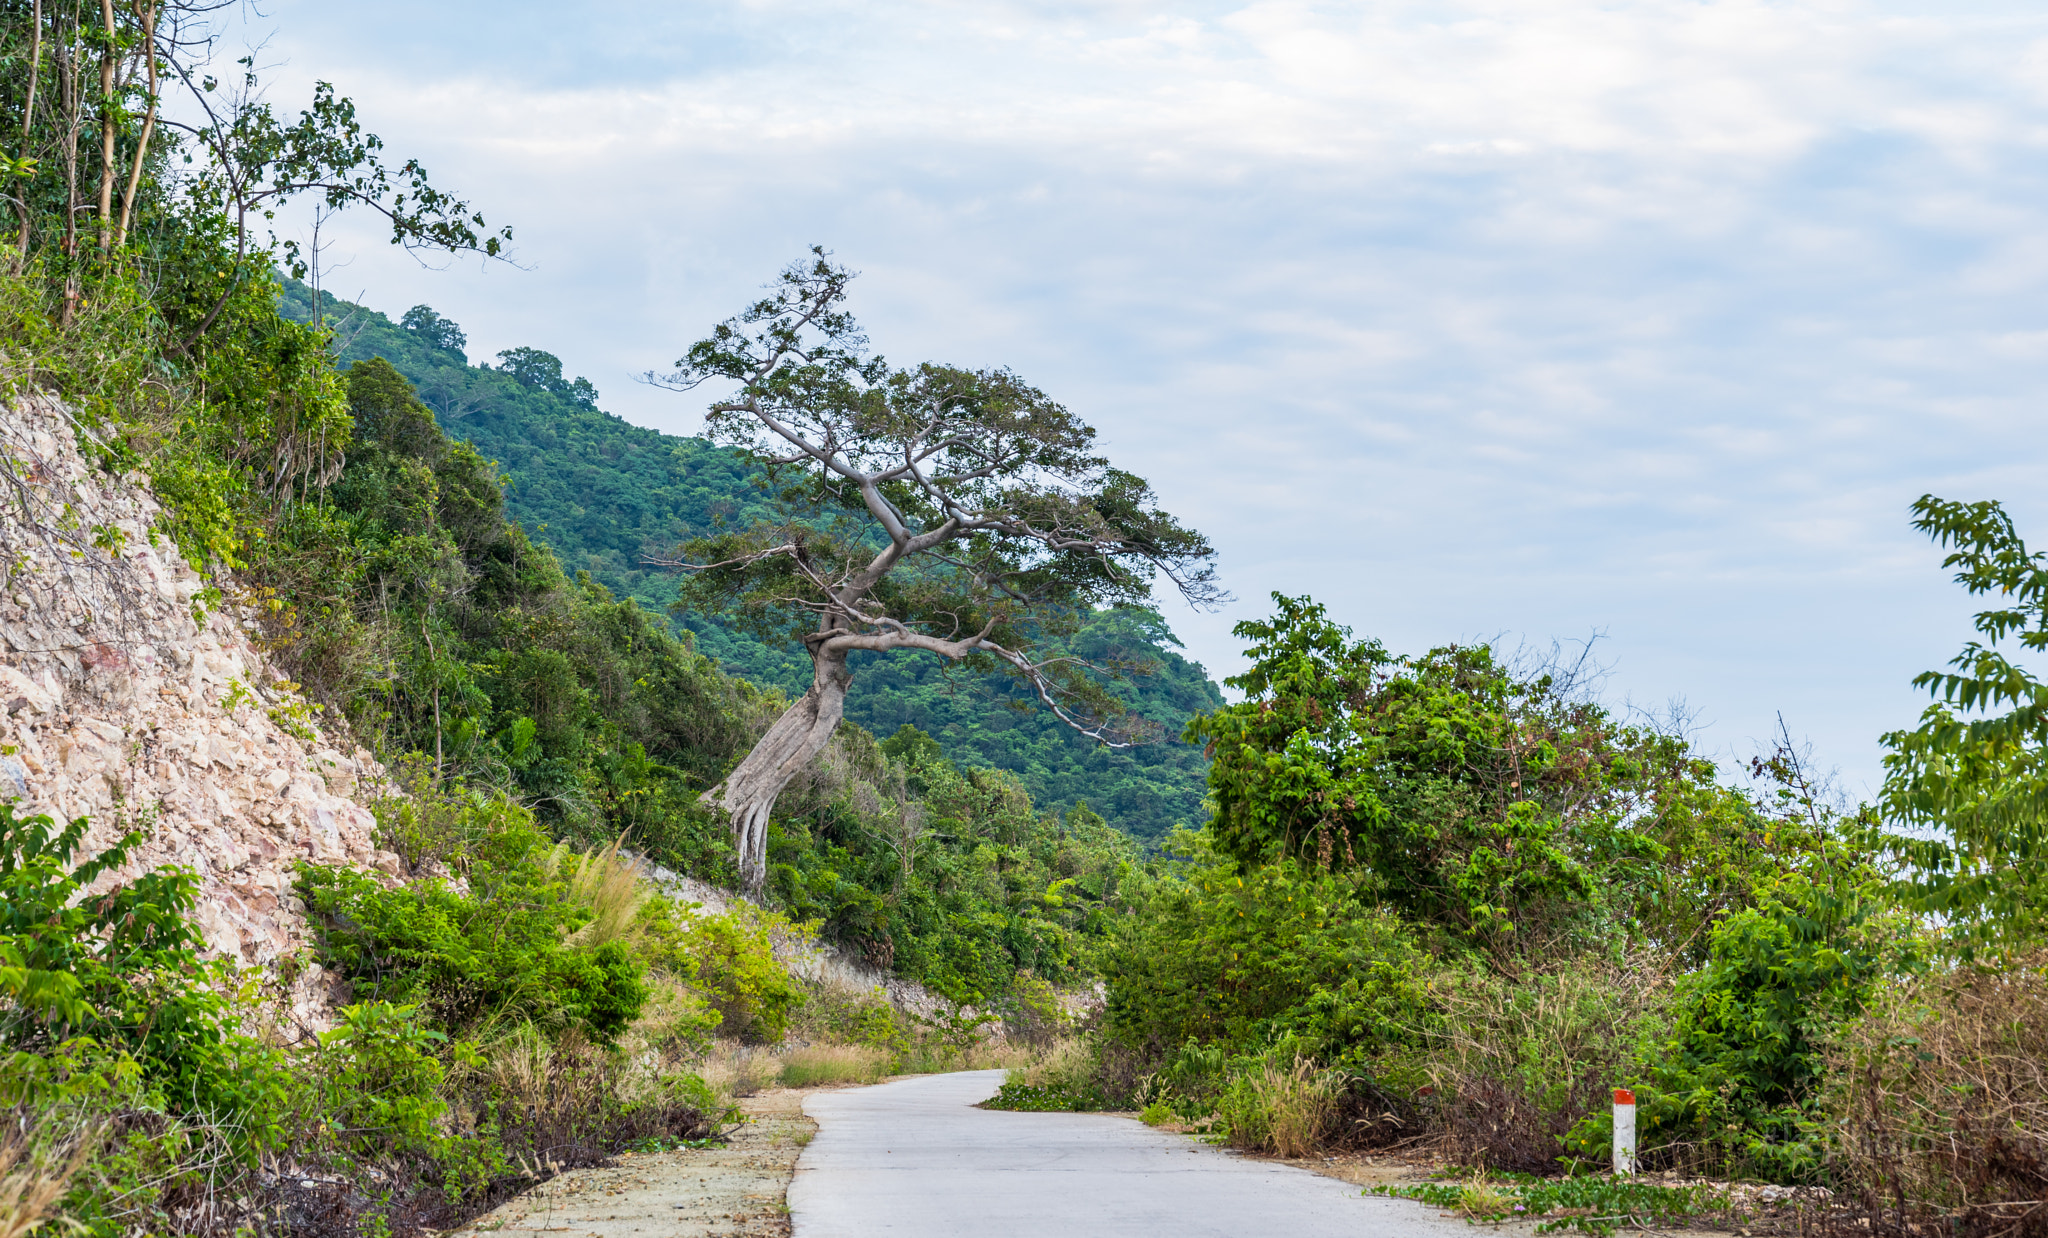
(915, 1159)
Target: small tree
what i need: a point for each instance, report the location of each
(1975, 771)
(954, 512)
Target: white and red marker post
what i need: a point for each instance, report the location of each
(1624, 1131)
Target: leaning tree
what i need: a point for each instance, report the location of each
(953, 512)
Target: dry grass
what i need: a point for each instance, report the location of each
(31, 1184)
(813, 1065)
(733, 1070)
(1065, 1063)
(1942, 1092)
(1283, 1109)
(606, 882)
(1515, 1061)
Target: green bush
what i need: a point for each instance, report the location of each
(1048, 1098)
(729, 959)
(122, 972)
(1245, 957)
(493, 952)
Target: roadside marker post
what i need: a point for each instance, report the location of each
(1624, 1131)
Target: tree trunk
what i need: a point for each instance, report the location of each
(748, 794)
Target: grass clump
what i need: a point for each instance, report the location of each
(814, 1065)
(1281, 1109)
(1592, 1204)
(1062, 1078)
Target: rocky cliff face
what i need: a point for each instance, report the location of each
(123, 702)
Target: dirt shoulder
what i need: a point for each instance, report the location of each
(734, 1191)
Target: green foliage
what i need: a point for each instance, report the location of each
(1423, 873)
(952, 877)
(1002, 518)
(408, 605)
(1496, 807)
(491, 953)
(1979, 783)
(1047, 1098)
(1746, 1061)
(1249, 958)
(381, 1078)
(727, 958)
(121, 971)
(1592, 1205)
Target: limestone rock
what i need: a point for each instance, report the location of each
(121, 703)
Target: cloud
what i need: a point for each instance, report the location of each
(1535, 316)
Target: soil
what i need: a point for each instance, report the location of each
(734, 1191)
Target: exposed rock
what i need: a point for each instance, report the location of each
(125, 701)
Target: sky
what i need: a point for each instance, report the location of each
(1638, 322)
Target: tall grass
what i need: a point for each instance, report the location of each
(1515, 1061)
(606, 882)
(1284, 1109)
(733, 1070)
(814, 1065)
(32, 1180)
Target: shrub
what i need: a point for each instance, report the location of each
(1735, 1089)
(1033, 1013)
(493, 952)
(728, 958)
(121, 973)
(1941, 1093)
(1243, 956)
(1514, 1062)
(1063, 1078)
(850, 1014)
(380, 1081)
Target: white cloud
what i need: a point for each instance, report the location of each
(1533, 316)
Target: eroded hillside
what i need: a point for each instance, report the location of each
(132, 697)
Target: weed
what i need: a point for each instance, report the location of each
(1481, 1200)
(1061, 1079)
(823, 1064)
(1594, 1205)
(1285, 1110)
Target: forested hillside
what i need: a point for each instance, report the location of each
(603, 493)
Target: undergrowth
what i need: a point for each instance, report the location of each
(1594, 1204)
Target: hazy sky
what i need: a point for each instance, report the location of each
(1470, 319)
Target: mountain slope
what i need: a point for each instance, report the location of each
(602, 493)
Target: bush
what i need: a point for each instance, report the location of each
(848, 1014)
(121, 973)
(1242, 957)
(1033, 1013)
(1065, 1078)
(729, 959)
(1515, 1062)
(1941, 1093)
(491, 953)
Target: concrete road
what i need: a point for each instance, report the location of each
(915, 1159)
